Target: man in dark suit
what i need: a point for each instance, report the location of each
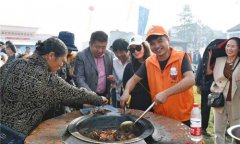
(94, 65)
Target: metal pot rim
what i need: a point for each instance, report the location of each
(230, 131)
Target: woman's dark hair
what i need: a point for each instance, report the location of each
(120, 44)
(52, 44)
(98, 36)
(147, 53)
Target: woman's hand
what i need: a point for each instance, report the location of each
(209, 66)
(105, 100)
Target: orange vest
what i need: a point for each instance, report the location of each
(177, 106)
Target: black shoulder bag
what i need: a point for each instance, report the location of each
(217, 99)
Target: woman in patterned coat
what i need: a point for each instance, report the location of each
(29, 87)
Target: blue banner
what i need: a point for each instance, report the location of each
(142, 19)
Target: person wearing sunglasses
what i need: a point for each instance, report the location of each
(169, 75)
(139, 52)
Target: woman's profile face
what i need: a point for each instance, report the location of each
(232, 48)
(55, 63)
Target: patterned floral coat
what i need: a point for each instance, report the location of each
(28, 90)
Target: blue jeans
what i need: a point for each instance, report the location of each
(10, 136)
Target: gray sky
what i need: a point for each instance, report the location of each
(52, 16)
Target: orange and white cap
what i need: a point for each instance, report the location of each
(156, 30)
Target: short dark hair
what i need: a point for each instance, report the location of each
(98, 36)
(120, 44)
(52, 44)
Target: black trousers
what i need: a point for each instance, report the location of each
(205, 109)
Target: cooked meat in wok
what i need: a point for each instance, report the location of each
(110, 135)
(98, 111)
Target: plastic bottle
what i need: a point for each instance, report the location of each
(196, 124)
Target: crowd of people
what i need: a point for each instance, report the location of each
(57, 78)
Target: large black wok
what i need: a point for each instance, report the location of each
(79, 126)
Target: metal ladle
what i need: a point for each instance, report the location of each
(128, 125)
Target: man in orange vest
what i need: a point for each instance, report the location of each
(170, 78)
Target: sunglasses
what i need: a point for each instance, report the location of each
(137, 48)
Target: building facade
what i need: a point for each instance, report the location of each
(21, 36)
(234, 31)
